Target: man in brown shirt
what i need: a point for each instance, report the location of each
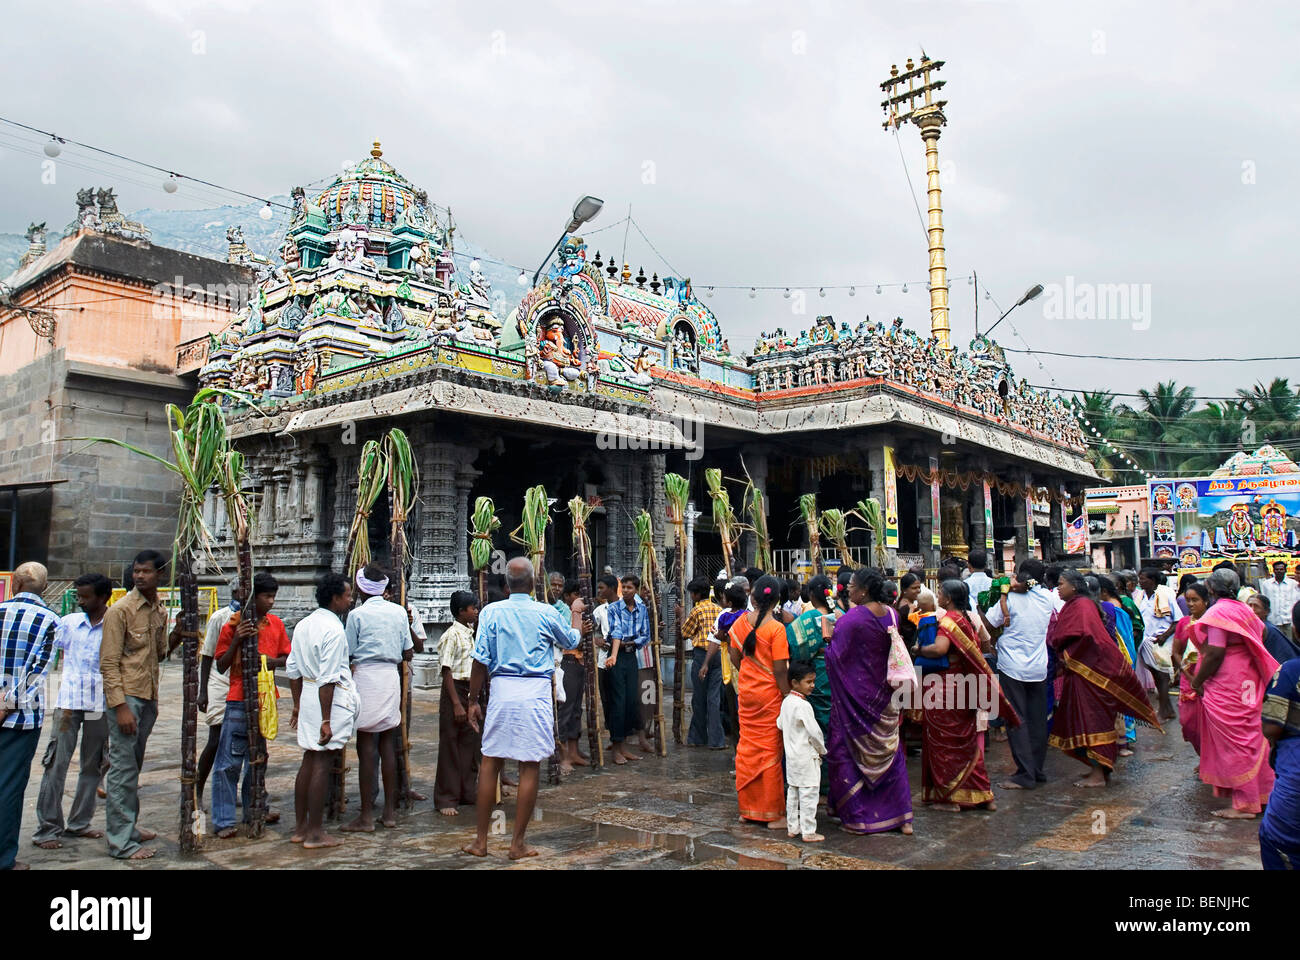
(135, 639)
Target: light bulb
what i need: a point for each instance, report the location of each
(752, 293)
(821, 291)
(522, 279)
(969, 281)
(475, 266)
(878, 288)
(787, 293)
(853, 291)
(710, 291)
(170, 184)
(905, 288)
(987, 295)
(266, 213)
(52, 149)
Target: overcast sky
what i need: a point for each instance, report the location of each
(1152, 144)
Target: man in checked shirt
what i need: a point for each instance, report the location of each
(27, 629)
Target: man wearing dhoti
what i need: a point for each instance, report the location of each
(514, 648)
(324, 704)
(379, 639)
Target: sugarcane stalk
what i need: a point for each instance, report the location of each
(808, 510)
(482, 522)
(199, 445)
(835, 528)
(724, 518)
(677, 492)
(869, 512)
(649, 572)
(579, 512)
(756, 510)
(403, 476)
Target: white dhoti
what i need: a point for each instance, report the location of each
(343, 716)
(379, 692)
(520, 721)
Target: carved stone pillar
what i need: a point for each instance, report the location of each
(876, 463)
(440, 539)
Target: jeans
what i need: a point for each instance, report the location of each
(17, 747)
(125, 758)
(232, 757)
(706, 702)
(1029, 740)
(93, 728)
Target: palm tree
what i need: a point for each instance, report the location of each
(1162, 408)
(1206, 438)
(1270, 413)
(1113, 422)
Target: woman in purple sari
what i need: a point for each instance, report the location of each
(869, 791)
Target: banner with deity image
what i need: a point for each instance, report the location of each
(1224, 516)
(891, 500)
(936, 505)
(988, 516)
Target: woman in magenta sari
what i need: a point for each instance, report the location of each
(1184, 654)
(953, 776)
(1232, 673)
(869, 792)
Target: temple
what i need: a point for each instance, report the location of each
(595, 385)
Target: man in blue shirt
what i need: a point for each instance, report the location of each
(629, 628)
(514, 648)
(27, 630)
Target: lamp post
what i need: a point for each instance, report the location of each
(1033, 293)
(901, 92)
(584, 210)
(1137, 546)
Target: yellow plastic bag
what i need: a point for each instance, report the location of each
(268, 713)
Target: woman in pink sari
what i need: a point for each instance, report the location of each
(1184, 655)
(1232, 673)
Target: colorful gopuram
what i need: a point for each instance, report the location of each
(597, 383)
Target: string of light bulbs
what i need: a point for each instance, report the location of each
(1105, 442)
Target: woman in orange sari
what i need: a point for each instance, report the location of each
(953, 776)
(760, 652)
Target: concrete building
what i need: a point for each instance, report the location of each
(88, 347)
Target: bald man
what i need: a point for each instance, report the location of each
(514, 647)
(27, 628)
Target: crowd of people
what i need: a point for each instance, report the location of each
(823, 689)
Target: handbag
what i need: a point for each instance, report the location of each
(268, 712)
(900, 670)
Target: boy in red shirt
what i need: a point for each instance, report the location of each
(232, 750)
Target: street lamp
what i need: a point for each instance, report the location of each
(1137, 546)
(1033, 293)
(584, 210)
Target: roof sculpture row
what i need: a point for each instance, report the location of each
(368, 275)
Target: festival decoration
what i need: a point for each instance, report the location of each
(580, 512)
(677, 492)
(756, 510)
(649, 576)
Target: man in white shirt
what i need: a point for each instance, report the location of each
(606, 593)
(1283, 595)
(979, 579)
(1160, 611)
(1024, 614)
(80, 707)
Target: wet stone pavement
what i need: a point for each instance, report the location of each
(679, 812)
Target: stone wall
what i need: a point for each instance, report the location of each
(115, 502)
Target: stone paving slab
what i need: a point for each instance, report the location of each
(679, 812)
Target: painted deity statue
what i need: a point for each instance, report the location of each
(1273, 519)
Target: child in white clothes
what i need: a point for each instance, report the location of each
(804, 748)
